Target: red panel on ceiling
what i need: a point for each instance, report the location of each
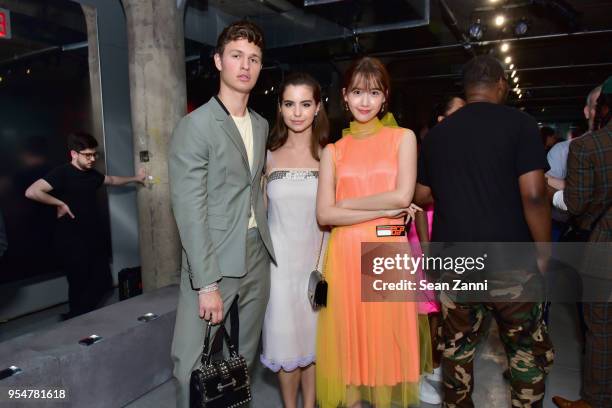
(5, 23)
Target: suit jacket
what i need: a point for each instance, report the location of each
(213, 190)
(589, 182)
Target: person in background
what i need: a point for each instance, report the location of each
(292, 171)
(485, 166)
(588, 197)
(557, 156)
(445, 108)
(549, 137)
(78, 238)
(418, 236)
(555, 178)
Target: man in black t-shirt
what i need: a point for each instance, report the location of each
(78, 240)
(484, 166)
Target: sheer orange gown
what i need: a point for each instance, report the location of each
(366, 351)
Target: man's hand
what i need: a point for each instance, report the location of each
(63, 209)
(412, 210)
(398, 213)
(141, 176)
(211, 306)
(556, 183)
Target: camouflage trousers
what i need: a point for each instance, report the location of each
(526, 342)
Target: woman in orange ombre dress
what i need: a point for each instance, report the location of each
(366, 351)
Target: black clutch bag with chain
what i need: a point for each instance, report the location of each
(317, 285)
(223, 383)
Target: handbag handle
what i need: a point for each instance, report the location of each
(319, 256)
(206, 353)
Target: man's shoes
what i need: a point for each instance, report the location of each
(428, 393)
(563, 403)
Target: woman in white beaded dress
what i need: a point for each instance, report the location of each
(292, 170)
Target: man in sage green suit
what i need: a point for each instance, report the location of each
(215, 164)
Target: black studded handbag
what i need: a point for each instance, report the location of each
(222, 383)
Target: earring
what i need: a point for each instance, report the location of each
(383, 107)
(346, 108)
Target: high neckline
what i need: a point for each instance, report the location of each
(363, 130)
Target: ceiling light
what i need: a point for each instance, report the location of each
(28, 71)
(520, 96)
(508, 60)
(516, 79)
(504, 47)
(476, 30)
(266, 92)
(511, 66)
(500, 20)
(521, 27)
(513, 74)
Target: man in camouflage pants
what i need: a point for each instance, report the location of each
(485, 166)
(525, 338)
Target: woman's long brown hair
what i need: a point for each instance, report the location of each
(320, 125)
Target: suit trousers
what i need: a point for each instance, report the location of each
(597, 375)
(253, 289)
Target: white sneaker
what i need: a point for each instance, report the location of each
(428, 393)
(436, 375)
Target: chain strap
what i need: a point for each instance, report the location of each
(319, 256)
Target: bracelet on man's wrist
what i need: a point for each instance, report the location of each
(208, 288)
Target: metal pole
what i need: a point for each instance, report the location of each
(483, 43)
(398, 26)
(549, 68)
(47, 50)
(454, 28)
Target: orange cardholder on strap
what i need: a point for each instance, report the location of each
(390, 230)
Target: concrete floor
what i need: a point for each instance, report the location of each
(490, 391)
